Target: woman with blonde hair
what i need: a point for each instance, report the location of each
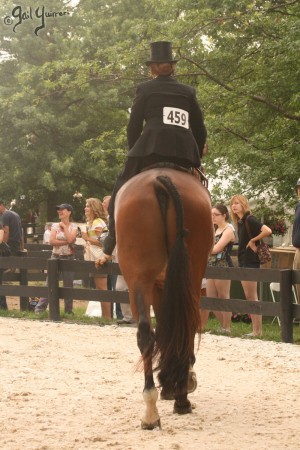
(250, 231)
(96, 225)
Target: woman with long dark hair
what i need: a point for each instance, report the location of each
(220, 257)
(62, 237)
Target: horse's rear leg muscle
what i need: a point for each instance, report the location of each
(145, 340)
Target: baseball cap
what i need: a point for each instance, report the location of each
(65, 206)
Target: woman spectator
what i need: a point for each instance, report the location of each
(250, 232)
(220, 257)
(62, 237)
(3, 304)
(96, 225)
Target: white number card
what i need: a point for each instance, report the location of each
(176, 116)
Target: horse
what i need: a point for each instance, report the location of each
(164, 235)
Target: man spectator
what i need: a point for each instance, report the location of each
(13, 236)
(296, 238)
(12, 226)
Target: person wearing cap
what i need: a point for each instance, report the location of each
(296, 238)
(62, 237)
(166, 126)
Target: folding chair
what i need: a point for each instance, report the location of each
(275, 287)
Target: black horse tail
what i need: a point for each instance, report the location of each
(179, 315)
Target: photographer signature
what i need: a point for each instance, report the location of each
(22, 15)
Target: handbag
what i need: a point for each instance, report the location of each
(218, 260)
(263, 250)
(263, 253)
(5, 249)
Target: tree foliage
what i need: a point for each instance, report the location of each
(65, 92)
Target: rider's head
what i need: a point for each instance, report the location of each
(161, 60)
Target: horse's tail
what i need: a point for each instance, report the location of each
(179, 315)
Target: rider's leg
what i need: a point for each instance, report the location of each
(131, 168)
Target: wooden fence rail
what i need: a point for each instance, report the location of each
(32, 269)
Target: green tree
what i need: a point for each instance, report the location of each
(65, 92)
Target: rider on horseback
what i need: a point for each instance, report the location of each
(174, 130)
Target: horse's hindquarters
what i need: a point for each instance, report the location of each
(164, 225)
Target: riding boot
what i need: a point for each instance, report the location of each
(110, 240)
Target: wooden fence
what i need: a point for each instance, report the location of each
(33, 268)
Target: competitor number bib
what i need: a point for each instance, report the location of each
(176, 116)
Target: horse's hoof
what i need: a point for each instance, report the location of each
(192, 382)
(182, 409)
(151, 426)
(164, 395)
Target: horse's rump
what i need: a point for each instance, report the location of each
(138, 210)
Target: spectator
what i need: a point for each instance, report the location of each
(121, 285)
(3, 304)
(166, 126)
(12, 226)
(296, 238)
(62, 237)
(112, 279)
(220, 257)
(11, 232)
(247, 252)
(127, 318)
(47, 232)
(96, 225)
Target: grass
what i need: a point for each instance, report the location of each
(271, 331)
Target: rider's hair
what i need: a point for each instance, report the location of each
(165, 69)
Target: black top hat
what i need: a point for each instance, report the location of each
(161, 52)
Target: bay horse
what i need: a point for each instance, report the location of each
(164, 234)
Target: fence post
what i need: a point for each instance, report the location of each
(286, 306)
(24, 301)
(53, 289)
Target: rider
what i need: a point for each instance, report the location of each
(174, 130)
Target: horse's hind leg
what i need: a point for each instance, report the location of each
(145, 340)
(192, 377)
(182, 405)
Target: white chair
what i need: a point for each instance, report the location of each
(275, 287)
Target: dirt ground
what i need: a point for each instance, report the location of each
(67, 386)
